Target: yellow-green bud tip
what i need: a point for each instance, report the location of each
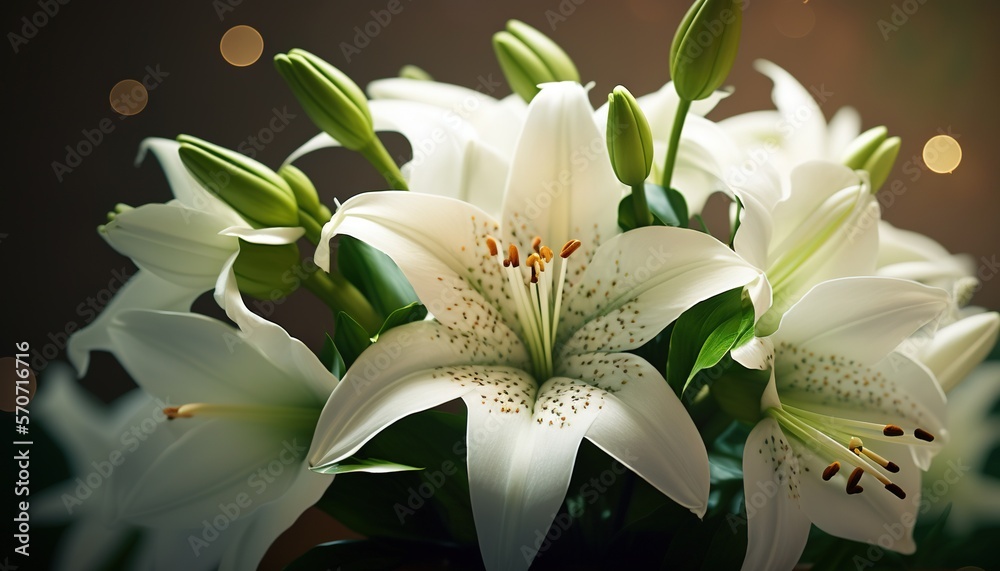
(528, 57)
(858, 152)
(879, 164)
(704, 47)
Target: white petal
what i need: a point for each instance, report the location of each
(640, 281)
(777, 527)
(958, 348)
(254, 540)
(757, 353)
(266, 236)
(406, 371)
(185, 187)
(758, 193)
(561, 184)
(440, 245)
(520, 463)
(644, 426)
(443, 95)
(176, 243)
(144, 291)
(844, 127)
(875, 516)
(862, 318)
(189, 358)
(799, 110)
(89, 546)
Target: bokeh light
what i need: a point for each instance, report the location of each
(128, 97)
(942, 154)
(241, 46)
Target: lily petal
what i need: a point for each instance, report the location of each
(521, 463)
(406, 371)
(644, 425)
(143, 291)
(640, 281)
(185, 187)
(561, 181)
(959, 348)
(863, 318)
(174, 242)
(777, 526)
(440, 246)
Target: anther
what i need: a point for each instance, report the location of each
(532, 260)
(831, 471)
(546, 253)
(853, 479)
(491, 243)
(923, 435)
(536, 243)
(896, 491)
(512, 255)
(570, 247)
(173, 412)
(892, 430)
(855, 445)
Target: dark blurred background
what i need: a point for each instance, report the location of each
(920, 67)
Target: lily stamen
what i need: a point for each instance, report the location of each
(241, 411)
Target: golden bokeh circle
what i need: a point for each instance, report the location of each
(241, 46)
(795, 19)
(942, 154)
(128, 97)
(8, 371)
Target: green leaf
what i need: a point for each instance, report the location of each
(667, 206)
(349, 339)
(705, 333)
(330, 357)
(375, 274)
(408, 314)
(355, 464)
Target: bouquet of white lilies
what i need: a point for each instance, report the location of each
(758, 395)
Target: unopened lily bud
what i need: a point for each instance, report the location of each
(262, 270)
(305, 193)
(880, 164)
(414, 72)
(331, 99)
(630, 141)
(528, 58)
(857, 153)
(704, 47)
(254, 191)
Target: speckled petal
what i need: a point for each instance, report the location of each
(520, 463)
(640, 281)
(777, 526)
(404, 372)
(642, 424)
(440, 245)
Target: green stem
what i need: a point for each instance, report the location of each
(314, 230)
(643, 217)
(379, 158)
(675, 139)
(340, 295)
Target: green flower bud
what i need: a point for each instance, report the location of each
(528, 58)
(414, 72)
(857, 153)
(704, 47)
(333, 102)
(880, 164)
(630, 141)
(260, 270)
(254, 191)
(305, 193)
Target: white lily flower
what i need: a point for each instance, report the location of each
(182, 248)
(103, 447)
(533, 345)
(843, 414)
(825, 228)
(249, 408)
(796, 132)
(956, 349)
(956, 477)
